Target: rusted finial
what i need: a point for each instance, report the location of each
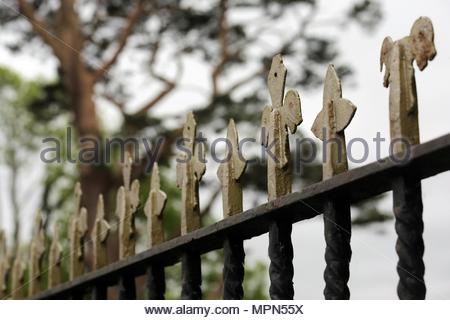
(398, 58)
(5, 265)
(18, 275)
(154, 208)
(284, 114)
(330, 124)
(190, 170)
(99, 235)
(37, 249)
(230, 172)
(126, 206)
(77, 233)
(54, 259)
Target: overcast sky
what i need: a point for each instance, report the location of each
(373, 273)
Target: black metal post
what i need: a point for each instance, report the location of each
(281, 253)
(191, 269)
(407, 193)
(99, 292)
(337, 229)
(156, 282)
(127, 288)
(233, 269)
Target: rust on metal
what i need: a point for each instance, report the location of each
(190, 169)
(282, 115)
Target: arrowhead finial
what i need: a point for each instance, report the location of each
(190, 170)
(230, 172)
(154, 208)
(284, 114)
(330, 124)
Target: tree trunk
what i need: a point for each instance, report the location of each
(95, 179)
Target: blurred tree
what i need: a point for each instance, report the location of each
(18, 138)
(159, 40)
(231, 37)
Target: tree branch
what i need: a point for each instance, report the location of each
(170, 84)
(223, 40)
(41, 28)
(133, 19)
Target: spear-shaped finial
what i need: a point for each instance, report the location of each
(18, 275)
(284, 114)
(126, 206)
(329, 127)
(54, 259)
(330, 124)
(99, 235)
(154, 208)
(398, 58)
(190, 170)
(77, 232)
(230, 172)
(4, 265)
(37, 249)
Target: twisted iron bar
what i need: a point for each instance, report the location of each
(127, 288)
(233, 269)
(337, 229)
(156, 282)
(281, 253)
(407, 193)
(99, 292)
(191, 270)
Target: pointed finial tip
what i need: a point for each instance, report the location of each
(231, 124)
(332, 74)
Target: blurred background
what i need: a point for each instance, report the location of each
(134, 68)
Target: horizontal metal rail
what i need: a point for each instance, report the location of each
(427, 159)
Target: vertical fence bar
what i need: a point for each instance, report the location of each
(281, 254)
(408, 209)
(337, 227)
(398, 57)
(99, 292)
(156, 282)
(284, 113)
(329, 126)
(191, 270)
(233, 269)
(190, 170)
(229, 174)
(127, 288)
(5, 265)
(154, 207)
